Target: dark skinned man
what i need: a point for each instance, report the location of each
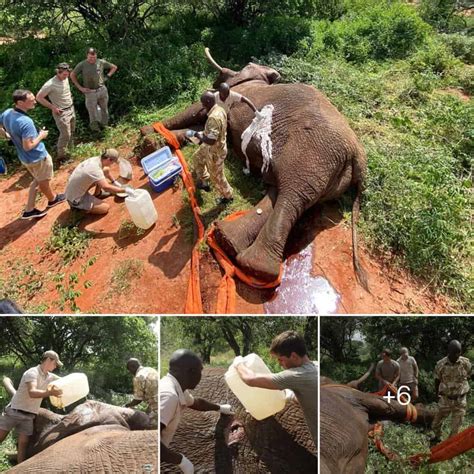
(210, 156)
(185, 370)
(145, 389)
(452, 375)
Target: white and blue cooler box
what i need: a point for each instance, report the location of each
(162, 168)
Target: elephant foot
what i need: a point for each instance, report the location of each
(258, 263)
(230, 238)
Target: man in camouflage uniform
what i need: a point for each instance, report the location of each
(209, 158)
(145, 389)
(452, 375)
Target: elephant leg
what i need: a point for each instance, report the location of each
(235, 236)
(264, 257)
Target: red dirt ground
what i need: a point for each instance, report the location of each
(165, 253)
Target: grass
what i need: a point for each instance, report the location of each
(20, 282)
(124, 273)
(129, 229)
(70, 242)
(407, 440)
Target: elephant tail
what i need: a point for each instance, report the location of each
(360, 272)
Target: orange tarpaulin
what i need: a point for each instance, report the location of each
(226, 295)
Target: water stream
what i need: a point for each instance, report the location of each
(300, 292)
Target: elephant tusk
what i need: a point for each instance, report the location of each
(211, 60)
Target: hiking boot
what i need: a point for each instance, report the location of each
(224, 201)
(434, 440)
(34, 214)
(203, 185)
(57, 200)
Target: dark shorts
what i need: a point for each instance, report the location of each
(20, 421)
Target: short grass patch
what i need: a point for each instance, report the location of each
(69, 241)
(124, 274)
(128, 229)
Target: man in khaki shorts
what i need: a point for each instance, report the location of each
(93, 172)
(94, 77)
(145, 389)
(60, 103)
(31, 151)
(20, 413)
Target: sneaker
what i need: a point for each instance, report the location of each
(34, 214)
(203, 185)
(223, 200)
(57, 200)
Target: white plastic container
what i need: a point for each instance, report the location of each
(141, 209)
(259, 402)
(74, 386)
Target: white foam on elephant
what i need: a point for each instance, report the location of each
(261, 129)
(300, 292)
(86, 413)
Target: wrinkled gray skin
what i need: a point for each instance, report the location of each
(101, 449)
(346, 415)
(239, 444)
(50, 428)
(316, 158)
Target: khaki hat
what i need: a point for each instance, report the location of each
(64, 66)
(110, 153)
(53, 355)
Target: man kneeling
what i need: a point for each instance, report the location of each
(93, 172)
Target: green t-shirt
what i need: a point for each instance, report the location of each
(304, 383)
(92, 74)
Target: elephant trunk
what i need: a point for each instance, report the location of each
(9, 387)
(211, 60)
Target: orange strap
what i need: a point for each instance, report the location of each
(226, 296)
(193, 303)
(448, 449)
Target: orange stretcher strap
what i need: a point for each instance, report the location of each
(226, 296)
(448, 449)
(193, 303)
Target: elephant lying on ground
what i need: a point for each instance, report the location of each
(50, 429)
(113, 449)
(238, 443)
(345, 418)
(316, 157)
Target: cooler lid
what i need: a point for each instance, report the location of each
(156, 159)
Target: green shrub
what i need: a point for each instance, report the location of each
(380, 31)
(462, 46)
(434, 57)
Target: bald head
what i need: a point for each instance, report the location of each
(186, 367)
(224, 90)
(133, 365)
(208, 100)
(454, 350)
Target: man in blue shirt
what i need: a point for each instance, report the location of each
(31, 151)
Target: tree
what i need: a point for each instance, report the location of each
(114, 19)
(337, 338)
(101, 344)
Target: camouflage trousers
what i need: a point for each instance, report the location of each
(446, 407)
(153, 414)
(209, 163)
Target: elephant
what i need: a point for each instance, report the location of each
(238, 443)
(346, 415)
(98, 449)
(51, 429)
(316, 157)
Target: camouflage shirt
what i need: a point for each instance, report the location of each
(454, 378)
(216, 127)
(145, 386)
